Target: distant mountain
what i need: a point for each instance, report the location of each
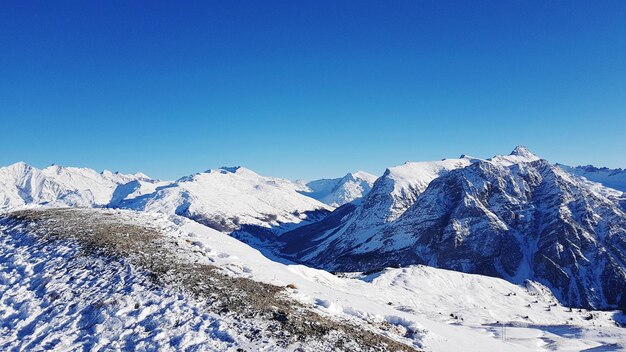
(515, 216)
(612, 178)
(231, 197)
(390, 196)
(225, 199)
(339, 191)
(22, 185)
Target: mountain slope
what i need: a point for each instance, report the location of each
(23, 185)
(339, 191)
(516, 217)
(228, 198)
(612, 178)
(390, 196)
(118, 279)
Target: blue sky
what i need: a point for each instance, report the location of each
(309, 89)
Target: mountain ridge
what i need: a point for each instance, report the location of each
(515, 216)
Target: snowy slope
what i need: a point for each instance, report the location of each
(228, 198)
(339, 191)
(515, 216)
(390, 196)
(612, 178)
(531, 316)
(399, 186)
(23, 185)
(108, 303)
(54, 298)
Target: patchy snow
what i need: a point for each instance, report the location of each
(52, 297)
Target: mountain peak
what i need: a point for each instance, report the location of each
(231, 169)
(523, 151)
(228, 170)
(19, 164)
(360, 175)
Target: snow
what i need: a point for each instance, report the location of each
(53, 297)
(229, 197)
(520, 154)
(418, 175)
(391, 195)
(339, 191)
(612, 178)
(22, 185)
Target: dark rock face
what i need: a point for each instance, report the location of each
(517, 221)
(524, 222)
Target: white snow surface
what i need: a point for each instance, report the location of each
(22, 185)
(411, 179)
(520, 154)
(49, 299)
(612, 178)
(229, 197)
(339, 191)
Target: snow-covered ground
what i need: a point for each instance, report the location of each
(54, 296)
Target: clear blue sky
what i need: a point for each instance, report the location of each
(309, 89)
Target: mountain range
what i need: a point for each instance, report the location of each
(516, 216)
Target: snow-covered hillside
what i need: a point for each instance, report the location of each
(612, 178)
(552, 235)
(390, 196)
(225, 198)
(56, 295)
(339, 191)
(230, 197)
(22, 185)
(515, 216)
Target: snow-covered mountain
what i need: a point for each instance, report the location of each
(515, 216)
(612, 178)
(339, 191)
(551, 235)
(230, 197)
(175, 284)
(225, 198)
(390, 196)
(22, 185)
